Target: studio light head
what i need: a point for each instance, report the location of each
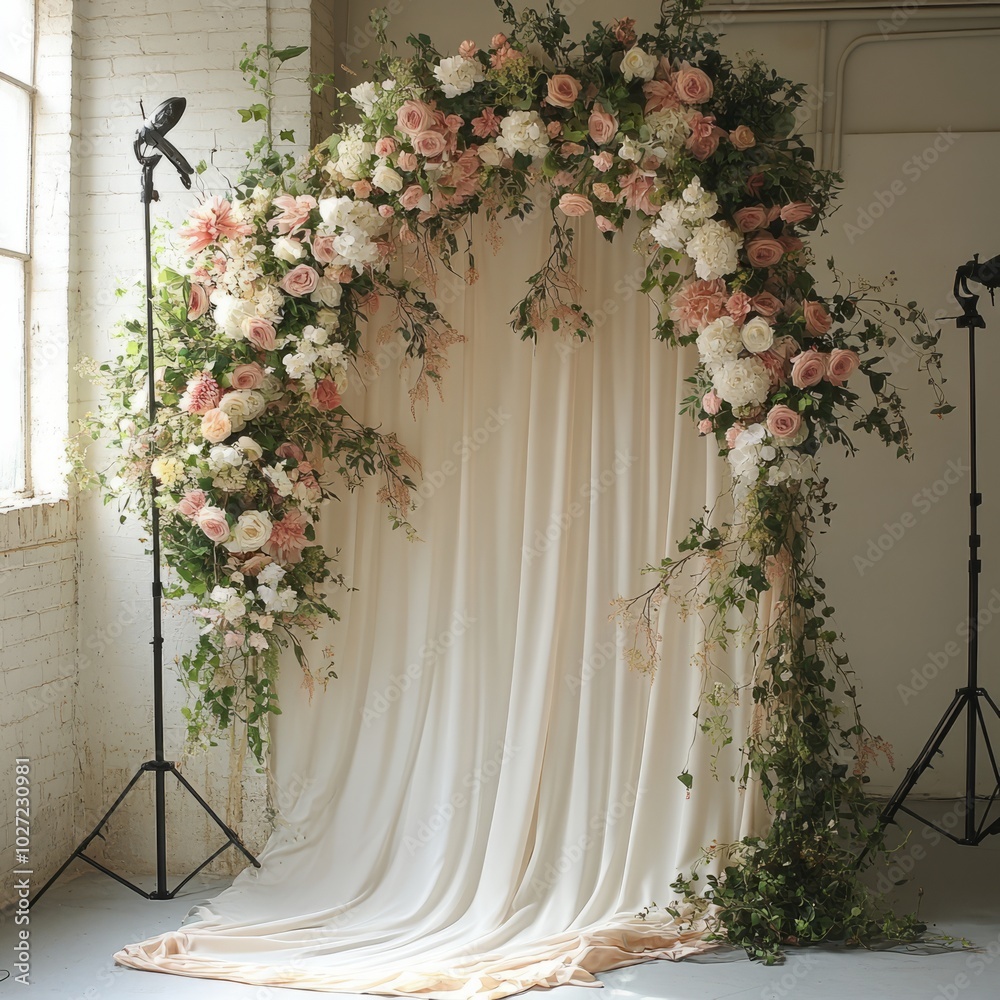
(151, 134)
(985, 273)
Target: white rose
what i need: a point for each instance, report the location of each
(286, 248)
(714, 249)
(251, 531)
(490, 155)
(458, 75)
(698, 203)
(365, 95)
(230, 312)
(742, 382)
(671, 229)
(386, 179)
(719, 343)
(328, 292)
(242, 405)
(638, 64)
(250, 448)
(523, 132)
(757, 335)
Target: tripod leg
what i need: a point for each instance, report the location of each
(85, 843)
(228, 831)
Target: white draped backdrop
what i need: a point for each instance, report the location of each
(488, 794)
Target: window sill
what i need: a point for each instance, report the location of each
(37, 520)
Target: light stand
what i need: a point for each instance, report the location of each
(968, 700)
(151, 134)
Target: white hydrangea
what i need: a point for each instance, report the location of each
(458, 75)
(271, 575)
(699, 204)
(669, 127)
(523, 132)
(224, 456)
(269, 301)
(714, 249)
(795, 467)
(719, 343)
(339, 213)
(365, 95)
(742, 382)
(355, 246)
(746, 458)
(299, 364)
(353, 154)
(671, 229)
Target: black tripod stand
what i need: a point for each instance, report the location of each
(150, 136)
(968, 700)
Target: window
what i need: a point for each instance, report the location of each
(17, 56)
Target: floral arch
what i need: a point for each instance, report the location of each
(260, 319)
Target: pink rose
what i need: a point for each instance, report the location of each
(843, 364)
(260, 332)
(605, 225)
(790, 243)
(386, 146)
(212, 521)
(603, 160)
(575, 204)
(603, 192)
(386, 211)
(197, 302)
(411, 197)
(742, 137)
(693, 86)
(289, 450)
(322, 248)
(361, 188)
(705, 426)
(563, 90)
(325, 396)
(554, 129)
(755, 184)
(750, 218)
(711, 403)
(808, 369)
(191, 503)
(216, 425)
(738, 306)
(602, 126)
(300, 280)
(733, 433)
(563, 178)
(704, 138)
(497, 40)
(767, 305)
(764, 251)
(414, 117)
(783, 422)
(249, 376)
(796, 211)
(406, 161)
(568, 149)
(817, 319)
(429, 143)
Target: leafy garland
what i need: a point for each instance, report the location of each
(259, 334)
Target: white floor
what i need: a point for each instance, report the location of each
(77, 927)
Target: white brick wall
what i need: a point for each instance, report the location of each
(38, 670)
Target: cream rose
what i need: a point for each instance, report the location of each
(742, 137)
(251, 531)
(288, 249)
(250, 448)
(241, 406)
(757, 335)
(386, 179)
(216, 425)
(638, 64)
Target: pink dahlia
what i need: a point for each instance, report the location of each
(203, 394)
(288, 538)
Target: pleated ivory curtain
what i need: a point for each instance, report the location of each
(487, 796)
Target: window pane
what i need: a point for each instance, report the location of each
(15, 150)
(11, 375)
(17, 38)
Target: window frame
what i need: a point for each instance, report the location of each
(23, 490)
